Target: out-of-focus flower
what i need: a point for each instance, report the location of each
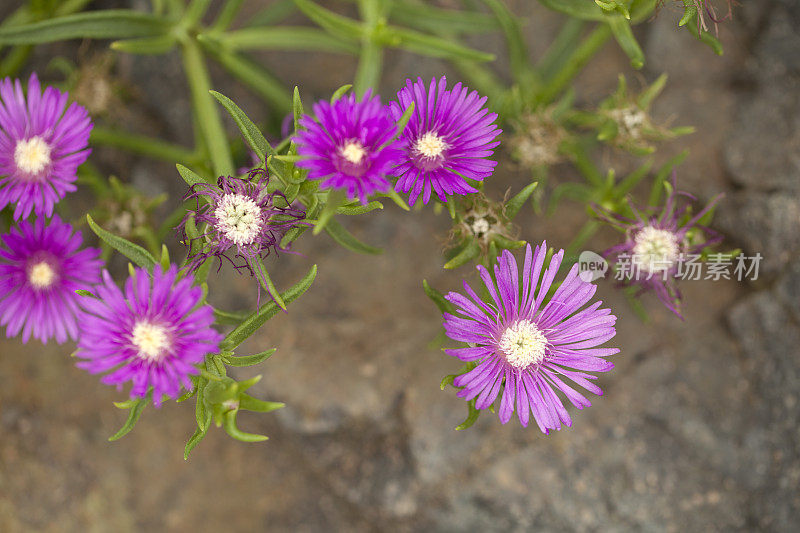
(623, 120)
(537, 140)
(522, 344)
(153, 335)
(240, 215)
(449, 137)
(350, 145)
(42, 143)
(658, 243)
(41, 267)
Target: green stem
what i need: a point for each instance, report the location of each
(557, 53)
(572, 67)
(148, 146)
(585, 233)
(370, 62)
(205, 110)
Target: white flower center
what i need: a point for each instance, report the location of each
(655, 250)
(353, 151)
(239, 218)
(523, 344)
(480, 226)
(32, 155)
(41, 275)
(631, 119)
(430, 145)
(151, 340)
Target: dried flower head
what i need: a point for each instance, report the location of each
(239, 215)
(482, 220)
(537, 139)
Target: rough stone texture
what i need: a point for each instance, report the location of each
(697, 430)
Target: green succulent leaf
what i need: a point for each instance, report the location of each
(513, 206)
(249, 360)
(333, 23)
(284, 38)
(135, 411)
(470, 252)
(105, 24)
(346, 239)
(438, 298)
(255, 139)
(472, 416)
(265, 312)
(229, 423)
(134, 252)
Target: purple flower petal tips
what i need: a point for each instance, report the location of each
(153, 334)
(659, 245)
(42, 143)
(350, 145)
(41, 267)
(525, 346)
(449, 137)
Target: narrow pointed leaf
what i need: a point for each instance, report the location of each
(513, 206)
(438, 298)
(255, 139)
(346, 239)
(133, 416)
(470, 252)
(249, 360)
(134, 252)
(229, 423)
(266, 311)
(259, 406)
(105, 24)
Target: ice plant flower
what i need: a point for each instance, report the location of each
(523, 345)
(41, 266)
(240, 215)
(658, 246)
(153, 334)
(42, 143)
(351, 145)
(449, 137)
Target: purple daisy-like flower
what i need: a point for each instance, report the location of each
(657, 245)
(449, 137)
(152, 335)
(523, 344)
(42, 143)
(41, 267)
(351, 145)
(241, 215)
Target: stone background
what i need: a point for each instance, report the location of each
(698, 427)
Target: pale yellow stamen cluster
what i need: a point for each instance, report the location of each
(353, 151)
(655, 250)
(430, 145)
(523, 344)
(32, 155)
(41, 275)
(152, 340)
